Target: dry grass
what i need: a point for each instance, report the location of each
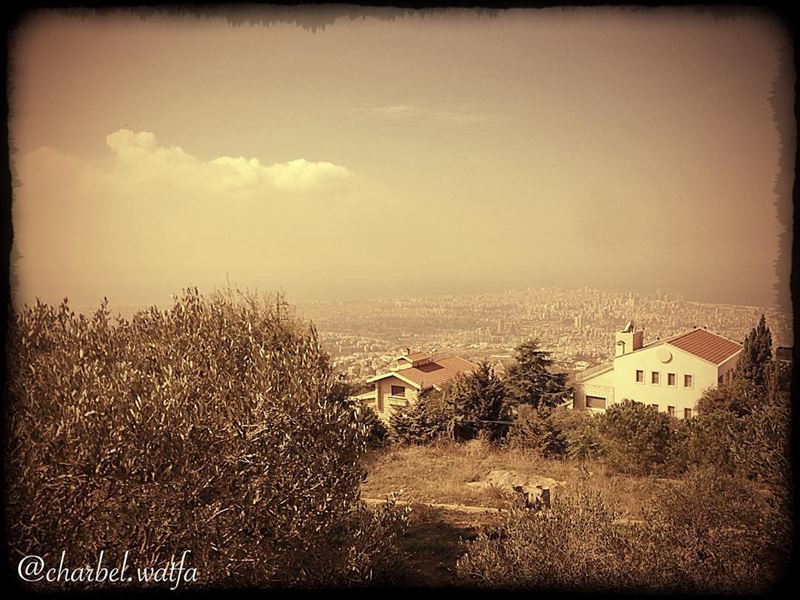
(439, 473)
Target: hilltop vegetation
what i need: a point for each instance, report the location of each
(727, 497)
(217, 426)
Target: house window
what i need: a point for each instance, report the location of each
(687, 413)
(671, 411)
(655, 377)
(728, 376)
(654, 407)
(398, 390)
(720, 380)
(688, 381)
(639, 376)
(595, 402)
(670, 378)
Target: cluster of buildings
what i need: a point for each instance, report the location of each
(575, 325)
(668, 375)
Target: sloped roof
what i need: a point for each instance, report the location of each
(706, 345)
(432, 374)
(592, 372)
(702, 343)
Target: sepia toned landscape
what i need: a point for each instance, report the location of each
(334, 297)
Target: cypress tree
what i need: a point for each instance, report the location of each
(755, 362)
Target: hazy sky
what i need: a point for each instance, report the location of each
(374, 157)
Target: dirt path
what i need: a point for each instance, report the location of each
(433, 540)
(464, 508)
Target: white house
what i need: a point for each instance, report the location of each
(413, 373)
(669, 375)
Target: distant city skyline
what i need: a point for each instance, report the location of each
(402, 154)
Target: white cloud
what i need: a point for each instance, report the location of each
(140, 154)
(147, 212)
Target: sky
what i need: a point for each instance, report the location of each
(387, 153)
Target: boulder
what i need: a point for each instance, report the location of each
(535, 490)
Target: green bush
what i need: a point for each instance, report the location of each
(584, 442)
(375, 430)
(635, 439)
(429, 419)
(216, 426)
(714, 532)
(707, 533)
(707, 440)
(762, 450)
(754, 445)
(739, 397)
(530, 431)
(573, 546)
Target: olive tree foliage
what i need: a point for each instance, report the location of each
(530, 381)
(377, 433)
(216, 426)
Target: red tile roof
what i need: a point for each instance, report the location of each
(706, 345)
(433, 373)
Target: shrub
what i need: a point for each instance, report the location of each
(634, 439)
(713, 532)
(707, 533)
(530, 430)
(707, 440)
(573, 546)
(374, 429)
(429, 419)
(584, 442)
(216, 426)
(762, 451)
(739, 397)
(754, 445)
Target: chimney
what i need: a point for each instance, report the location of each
(403, 361)
(628, 340)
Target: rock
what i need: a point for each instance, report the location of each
(535, 490)
(537, 497)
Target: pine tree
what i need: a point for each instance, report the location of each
(423, 422)
(755, 362)
(477, 397)
(529, 380)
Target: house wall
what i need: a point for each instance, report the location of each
(383, 391)
(729, 366)
(601, 386)
(704, 375)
